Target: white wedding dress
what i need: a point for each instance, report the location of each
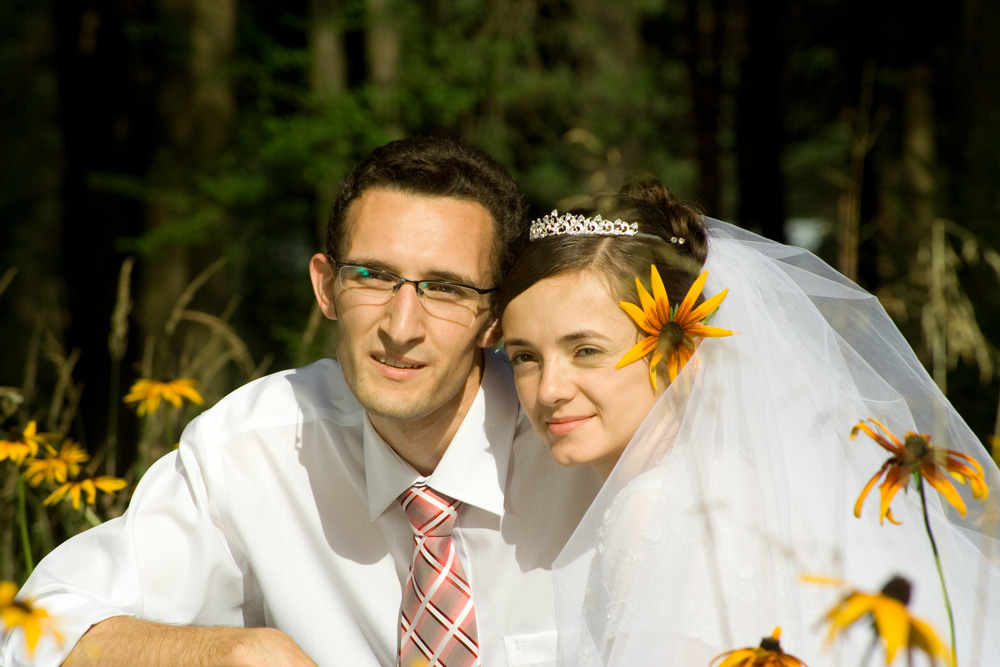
(744, 477)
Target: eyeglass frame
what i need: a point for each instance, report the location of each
(400, 281)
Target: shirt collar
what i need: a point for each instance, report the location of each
(473, 468)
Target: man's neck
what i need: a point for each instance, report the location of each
(423, 441)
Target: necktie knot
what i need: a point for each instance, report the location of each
(431, 514)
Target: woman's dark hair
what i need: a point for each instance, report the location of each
(620, 259)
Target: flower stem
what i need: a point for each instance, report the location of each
(111, 454)
(22, 514)
(937, 562)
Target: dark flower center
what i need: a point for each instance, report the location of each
(770, 644)
(917, 445)
(898, 588)
(672, 334)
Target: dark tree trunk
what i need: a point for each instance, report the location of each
(703, 56)
(759, 126)
(106, 122)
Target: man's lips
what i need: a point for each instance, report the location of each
(563, 425)
(395, 368)
(396, 363)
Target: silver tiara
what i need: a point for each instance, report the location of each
(568, 224)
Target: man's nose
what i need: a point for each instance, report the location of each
(404, 317)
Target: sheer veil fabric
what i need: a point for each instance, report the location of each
(744, 477)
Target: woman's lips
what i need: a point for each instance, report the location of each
(564, 425)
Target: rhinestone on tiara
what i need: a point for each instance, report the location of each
(568, 224)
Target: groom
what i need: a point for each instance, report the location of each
(277, 535)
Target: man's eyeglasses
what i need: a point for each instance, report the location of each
(451, 301)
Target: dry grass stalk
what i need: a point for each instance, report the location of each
(118, 338)
(7, 278)
(185, 298)
(949, 317)
(148, 351)
(65, 394)
(11, 399)
(220, 328)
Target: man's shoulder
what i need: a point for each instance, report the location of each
(294, 396)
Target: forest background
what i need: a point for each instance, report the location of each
(167, 167)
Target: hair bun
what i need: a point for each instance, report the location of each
(680, 220)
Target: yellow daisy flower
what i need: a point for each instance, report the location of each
(88, 486)
(57, 467)
(890, 620)
(21, 443)
(149, 393)
(24, 614)
(768, 654)
(671, 330)
(916, 454)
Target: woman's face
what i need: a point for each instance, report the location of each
(564, 336)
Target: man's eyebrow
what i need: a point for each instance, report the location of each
(441, 275)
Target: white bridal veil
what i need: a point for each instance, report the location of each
(744, 477)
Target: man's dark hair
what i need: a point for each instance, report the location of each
(438, 167)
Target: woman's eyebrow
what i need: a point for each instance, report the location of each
(581, 335)
(566, 338)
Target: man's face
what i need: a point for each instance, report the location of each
(402, 362)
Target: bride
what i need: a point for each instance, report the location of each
(727, 446)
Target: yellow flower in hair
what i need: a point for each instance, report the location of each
(148, 393)
(916, 455)
(89, 486)
(23, 614)
(889, 619)
(768, 654)
(671, 330)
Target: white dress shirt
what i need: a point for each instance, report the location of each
(280, 509)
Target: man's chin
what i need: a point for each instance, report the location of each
(394, 403)
(396, 412)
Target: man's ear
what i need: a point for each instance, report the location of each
(321, 274)
(490, 334)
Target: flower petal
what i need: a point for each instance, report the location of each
(922, 636)
(638, 351)
(894, 481)
(707, 331)
(659, 291)
(893, 624)
(708, 307)
(868, 488)
(742, 657)
(692, 295)
(877, 437)
(645, 300)
(639, 317)
(939, 481)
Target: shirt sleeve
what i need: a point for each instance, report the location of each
(166, 559)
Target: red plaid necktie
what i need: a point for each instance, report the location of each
(437, 621)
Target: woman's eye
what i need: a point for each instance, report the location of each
(521, 358)
(587, 352)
